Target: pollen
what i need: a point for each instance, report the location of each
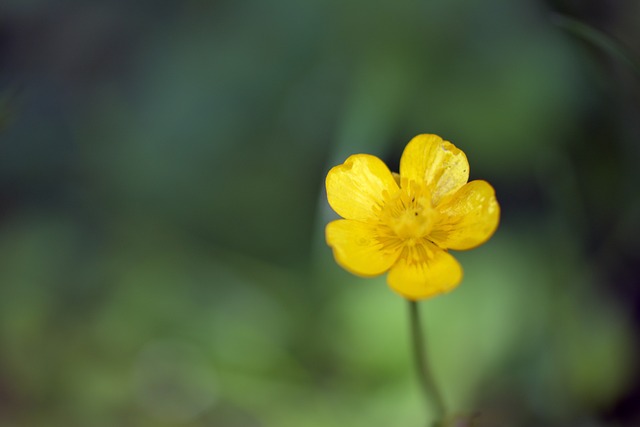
(409, 213)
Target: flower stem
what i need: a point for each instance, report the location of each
(432, 394)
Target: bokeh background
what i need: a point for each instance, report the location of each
(162, 259)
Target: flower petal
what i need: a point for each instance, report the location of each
(362, 248)
(468, 218)
(428, 158)
(427, 272)
(355, 188)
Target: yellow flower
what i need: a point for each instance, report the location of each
(406, 223)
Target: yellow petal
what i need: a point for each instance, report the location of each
(355, 188)
(428, 158)
(468, 218)
(362, 248)
(427, 272)
(396, 177)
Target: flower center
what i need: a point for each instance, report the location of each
(409, 212)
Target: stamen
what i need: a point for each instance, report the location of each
(409, 213)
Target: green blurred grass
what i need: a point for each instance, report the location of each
(162, 260)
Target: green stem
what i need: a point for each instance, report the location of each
(599, 39)
(432, 394)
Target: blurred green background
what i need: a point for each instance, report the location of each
(162, 259)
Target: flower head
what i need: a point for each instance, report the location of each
(405, 224)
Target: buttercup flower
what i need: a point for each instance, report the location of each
(405, 224)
